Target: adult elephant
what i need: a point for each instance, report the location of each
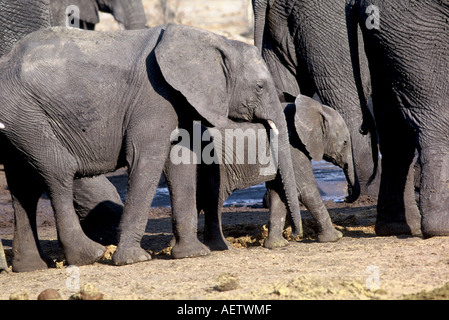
(150, 80)
(305, 45)
(130, 14)
(406, 43)
(315, 132)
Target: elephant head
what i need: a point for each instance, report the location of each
(128, 13)
(325, 135)
(236, 85)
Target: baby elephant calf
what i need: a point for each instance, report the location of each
(316, 132)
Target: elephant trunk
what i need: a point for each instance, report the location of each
(353, 181)
(283, 157)
(260, 9)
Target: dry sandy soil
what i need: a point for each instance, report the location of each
(359, 266)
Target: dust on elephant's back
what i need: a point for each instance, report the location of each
(78, 106)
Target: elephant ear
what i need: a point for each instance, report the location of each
(195, 63)
(310, 124)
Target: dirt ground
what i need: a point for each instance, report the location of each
(359, 266)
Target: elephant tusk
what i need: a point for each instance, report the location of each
(2, 126)
(273, 126)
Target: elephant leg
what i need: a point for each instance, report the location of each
(278, 214)
(434, 193)
(310, 196)
(78, 248)
(146, 163)
(58, 168)
(397, 211)
(99, 207)
(213, 231)
(181, 179)
(210, 198)
(25, 193)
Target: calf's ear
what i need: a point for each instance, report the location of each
(197, 63)
(310, 124)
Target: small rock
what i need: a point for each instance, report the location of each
(227, 282)
(87, 292)
(49, 294)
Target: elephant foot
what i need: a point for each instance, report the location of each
(435, 228)
(81, 254)
(217, 244)
(275, 242)
(189, 249)
(331, 235)
(385, 229)
(28, 264)
(128, 255)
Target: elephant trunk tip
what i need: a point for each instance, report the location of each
(353, 194)
(353, 184)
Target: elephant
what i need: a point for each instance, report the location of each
(315, 132)
(130, 14)
(132, 89)
(95, 199)
(305, 44)
(406, 44)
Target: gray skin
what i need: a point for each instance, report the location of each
(96, 200)
(146, 83)
(411, 107)
(12, 28)
(315, 132)
(305, 45)
(130, 14)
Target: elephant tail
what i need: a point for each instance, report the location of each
(368, 124)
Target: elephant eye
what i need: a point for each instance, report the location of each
(259, 86)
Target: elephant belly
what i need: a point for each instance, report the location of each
(244, 176)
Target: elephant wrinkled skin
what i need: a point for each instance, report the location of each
(407, 45)
(305, 45)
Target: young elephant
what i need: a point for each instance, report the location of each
(79, 104)
(316, 132)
